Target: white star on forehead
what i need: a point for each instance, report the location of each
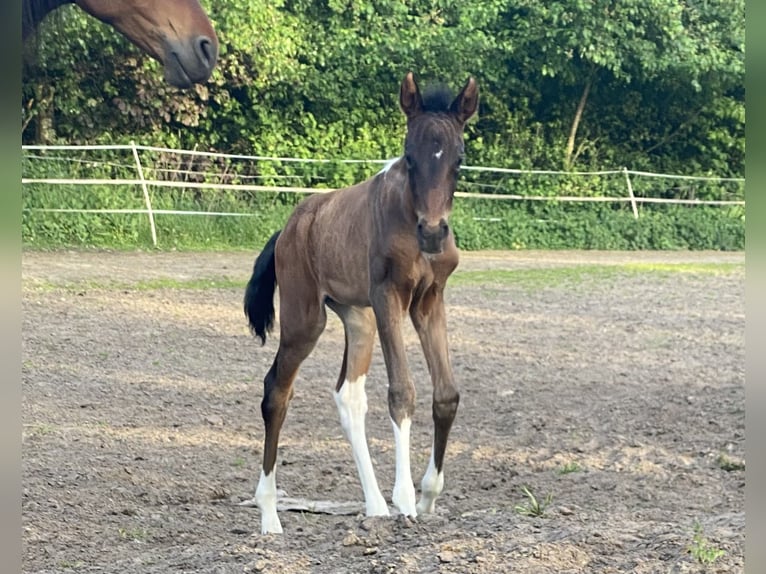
(439, 153)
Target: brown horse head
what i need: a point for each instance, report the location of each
(177, 33)
(433, 151)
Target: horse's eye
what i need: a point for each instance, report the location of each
(410, 161)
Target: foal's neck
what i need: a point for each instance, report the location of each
(395, 187)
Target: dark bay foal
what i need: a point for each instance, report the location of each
(372, 253)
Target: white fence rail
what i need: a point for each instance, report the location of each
(179, 178)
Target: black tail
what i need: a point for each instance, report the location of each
(259, 295)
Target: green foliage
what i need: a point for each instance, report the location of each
(319, 78)
(701, 548)
(569, 468)
(557, 225)
(729, 464)
(516, 225)
(477, 223)
(533, 507)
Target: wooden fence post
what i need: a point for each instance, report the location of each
(146, 192)
(630, 192)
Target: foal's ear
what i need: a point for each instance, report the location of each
(466, 102)
(409, 97)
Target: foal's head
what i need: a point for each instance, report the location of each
(433, 150)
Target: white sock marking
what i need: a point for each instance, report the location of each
(404, 490)
(266, 497)
(352, 407)
(430, 487)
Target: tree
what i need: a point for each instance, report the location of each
(578, 83)
(587, 43)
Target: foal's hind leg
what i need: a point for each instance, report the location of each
(351, 398)
(298, 335)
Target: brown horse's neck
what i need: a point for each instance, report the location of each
(33, 12)
(394, 184)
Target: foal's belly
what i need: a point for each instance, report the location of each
(349, 290)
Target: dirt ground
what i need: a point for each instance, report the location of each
(619, 395)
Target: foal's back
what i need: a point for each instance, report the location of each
(332, 233)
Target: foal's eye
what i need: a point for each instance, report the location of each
(410, 161)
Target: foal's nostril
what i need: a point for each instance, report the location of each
(444, 227)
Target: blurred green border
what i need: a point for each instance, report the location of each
(10, 279)
(755, 315)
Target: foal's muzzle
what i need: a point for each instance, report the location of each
(431, 237)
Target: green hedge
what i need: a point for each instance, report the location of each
(565, 225)
(478, 224)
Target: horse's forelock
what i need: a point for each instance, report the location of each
(437, 98)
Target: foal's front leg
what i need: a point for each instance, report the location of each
(429, 318)
(389, 310)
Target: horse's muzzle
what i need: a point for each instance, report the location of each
(190, 62)
(431, 237)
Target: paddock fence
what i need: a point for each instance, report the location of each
(143, 172)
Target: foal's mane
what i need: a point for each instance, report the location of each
(437, 98)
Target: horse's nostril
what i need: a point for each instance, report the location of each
(444, 227)
(206, 51)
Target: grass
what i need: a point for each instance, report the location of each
(570, 467)
(533, 279)
(526, 279)
(40, 429)
(195, 284)
(729, 464)
(533, 507)
(201, 284)
(135, 534)
(691, 268)
(701, 548)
